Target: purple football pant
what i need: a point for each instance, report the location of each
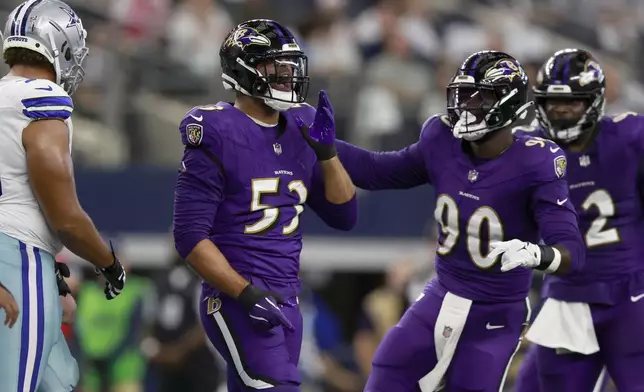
(620, 334)
(256, 359)
(490, 338)
(528, 377)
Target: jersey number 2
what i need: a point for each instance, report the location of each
(447, 216)
(271, 186)
(598, 234)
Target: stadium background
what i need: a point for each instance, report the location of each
(385, 64)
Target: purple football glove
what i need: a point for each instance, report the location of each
(321, 134)
(263, 309)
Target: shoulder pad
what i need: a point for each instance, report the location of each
(626, 118)
(436, 126)
(42, 99)
(199, 126)
(540, 151)
(303, 110)
(627, 127)
(528, 130)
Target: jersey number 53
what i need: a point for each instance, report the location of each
(271, 186)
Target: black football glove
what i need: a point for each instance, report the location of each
(263, 308)
(115, 276)
(62, 272)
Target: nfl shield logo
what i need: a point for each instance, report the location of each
(277, 148)
(194, 133)
(447, 332)
(560, 166)
(473, 175)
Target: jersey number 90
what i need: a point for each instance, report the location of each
(447, 216)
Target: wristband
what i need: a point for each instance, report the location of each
(550, 259)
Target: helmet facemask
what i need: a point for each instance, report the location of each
(476, 109)
(72, 76)
(280, 79)
(567, 130)
(575, 76)
(69, 63)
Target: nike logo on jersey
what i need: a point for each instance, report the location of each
(490, 327)
(554, 149)
(562, 202)
(196, 118)
(637, 298)
(48, 88)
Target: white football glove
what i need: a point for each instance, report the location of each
(516, 253)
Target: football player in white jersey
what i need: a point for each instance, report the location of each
(44, 46)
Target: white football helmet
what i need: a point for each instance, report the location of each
(51, 28)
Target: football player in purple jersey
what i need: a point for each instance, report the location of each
(248, 171)
(593, 319)
(497, 196)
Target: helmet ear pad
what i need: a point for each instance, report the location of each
(251, 80)
(246, 79)
(260, 88)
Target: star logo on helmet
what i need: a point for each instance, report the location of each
(73, 18)
(246, 36)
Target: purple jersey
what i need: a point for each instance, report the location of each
(606, 188)
(521, 194)
(245, 186)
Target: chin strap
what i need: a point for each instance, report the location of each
(280, 106)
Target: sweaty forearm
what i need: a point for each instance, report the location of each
(338, 187)
(554, 260)
(207, 261)
(566, 261)
(80, 236)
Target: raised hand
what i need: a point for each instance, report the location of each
(321, 134)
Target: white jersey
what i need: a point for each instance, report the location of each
(22, 101)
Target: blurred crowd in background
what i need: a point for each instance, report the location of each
(385, 64)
